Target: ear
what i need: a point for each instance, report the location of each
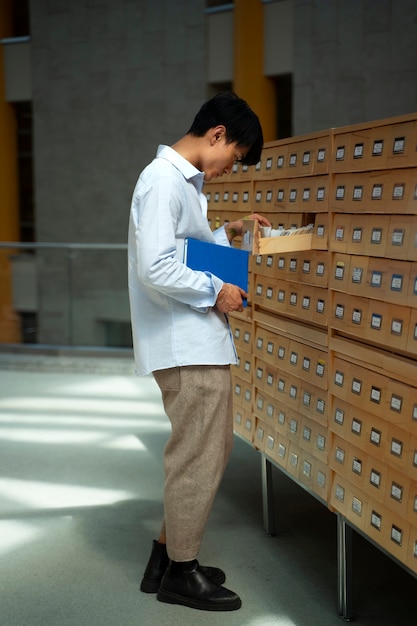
(217, 133)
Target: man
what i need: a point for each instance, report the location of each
(181, 335)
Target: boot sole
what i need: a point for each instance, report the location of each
(203, 605)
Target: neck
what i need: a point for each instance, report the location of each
(189, 148)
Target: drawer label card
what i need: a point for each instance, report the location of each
(396, 403)
(398, 191)
(376, 394)
(376, 321)
(339, 416)
(375, 478)
(376, 235)
(320, 269)
(340, 192)
(397, 327)
(321, 479)
(340, 153)
(358, 151)
(376, 520)
(357, 192)
(306, 398)
(357, 275)
(375, 437)
(321, 155)
(376, 279)
(307, 467)
(397, 237)
(397, 492)
(357, 466)
(397, 448)
(340, 493)
(357, 506)
(396, 282)
(339, 270)
(282, 450)
(378, 147)
(377, 191)
(340, 455)
(270, 442)
(399, 145)
(396, 535)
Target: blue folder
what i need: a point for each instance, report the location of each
(229, 264)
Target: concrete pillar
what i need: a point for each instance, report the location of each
(9, 200)
(250, 82)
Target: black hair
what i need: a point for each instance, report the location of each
(241, 123)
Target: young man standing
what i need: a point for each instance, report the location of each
(181, 335)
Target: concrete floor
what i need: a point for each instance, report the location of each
(81, 441)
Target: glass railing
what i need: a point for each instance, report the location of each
(64, 294)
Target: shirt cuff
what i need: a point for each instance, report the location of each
(221, 237)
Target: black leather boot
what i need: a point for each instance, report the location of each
(188, 585)
(157, 564)
(155, 569)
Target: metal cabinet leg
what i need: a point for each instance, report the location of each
(344, 569)
(267, 496)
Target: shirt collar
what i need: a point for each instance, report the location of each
(186, 168)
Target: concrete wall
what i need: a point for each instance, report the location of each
(111, 80)
(354, 61)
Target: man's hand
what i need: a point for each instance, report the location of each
(234, 229)
(230, 298)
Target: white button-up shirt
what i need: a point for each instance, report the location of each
(174, 321)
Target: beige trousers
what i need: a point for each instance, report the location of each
(198, 403)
